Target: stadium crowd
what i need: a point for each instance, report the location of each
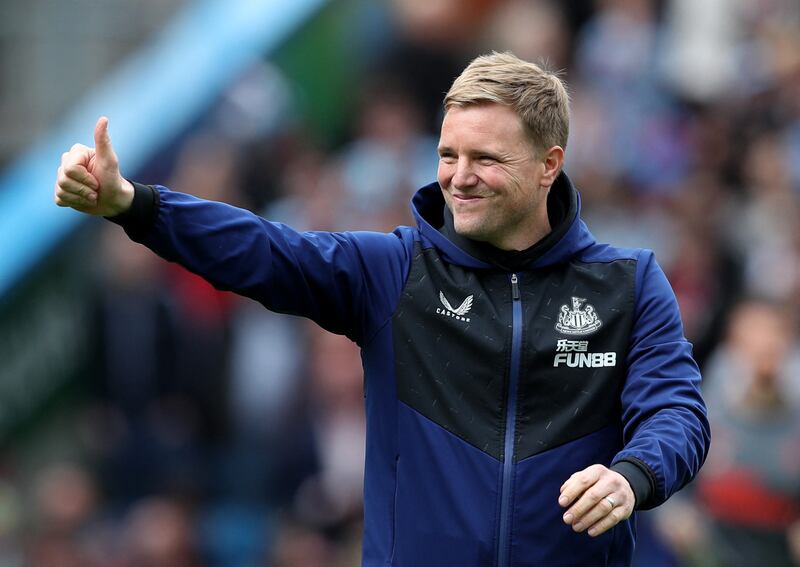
(220, 434)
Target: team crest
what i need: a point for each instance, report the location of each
(580, 320)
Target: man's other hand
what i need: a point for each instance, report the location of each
(598, 499)
(89, 180)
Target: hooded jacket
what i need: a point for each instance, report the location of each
(490, 377)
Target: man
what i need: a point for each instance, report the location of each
(526, 387)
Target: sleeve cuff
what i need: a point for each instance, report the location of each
(640, 479)
(141, 215)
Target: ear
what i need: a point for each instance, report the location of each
(552, 161)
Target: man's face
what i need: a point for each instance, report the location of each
(491, 178)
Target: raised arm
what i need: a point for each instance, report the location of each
(347, 282)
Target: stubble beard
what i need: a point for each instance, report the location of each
(473, 228)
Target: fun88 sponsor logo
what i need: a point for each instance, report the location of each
(574, 355)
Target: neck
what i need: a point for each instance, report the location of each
(538, 228)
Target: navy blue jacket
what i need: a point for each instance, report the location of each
(490, 377)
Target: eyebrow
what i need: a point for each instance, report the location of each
(471, 151)
(475, 152)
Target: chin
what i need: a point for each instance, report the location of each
(470, 230)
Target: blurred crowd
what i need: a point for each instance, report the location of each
(220, 434)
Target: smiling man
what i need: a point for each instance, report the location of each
(493, 180)
(526, 388)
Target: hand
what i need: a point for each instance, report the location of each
(89, 180)
(599, 499)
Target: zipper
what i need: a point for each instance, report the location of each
(504, 539)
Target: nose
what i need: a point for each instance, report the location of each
(464, 175)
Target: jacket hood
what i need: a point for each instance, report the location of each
(569, 234)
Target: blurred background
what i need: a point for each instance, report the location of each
(149, 420)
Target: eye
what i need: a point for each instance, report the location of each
(487, 160)
(447, 157)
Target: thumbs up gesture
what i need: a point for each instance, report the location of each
(89, 180)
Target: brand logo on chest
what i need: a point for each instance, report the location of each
(574, 354)
(455, 312)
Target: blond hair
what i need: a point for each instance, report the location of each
(537, 95)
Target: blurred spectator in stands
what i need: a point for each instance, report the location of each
(157, 532)
(760, 355)
(702, 56)
(620, 99)
(390, 158)
(257, 117)
(134, 325)
(311, 195)
(767, 227)
(67, 530)
(323, 525)
(534, 30)
(748, 494)
(65, 498)
(11, 523)
(271, 448)
(702, 268)
(334, 496)
(136, 333)
(433, 41)
(302, 546)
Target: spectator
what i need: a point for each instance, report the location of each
(749, 491)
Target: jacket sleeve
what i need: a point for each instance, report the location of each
(665, 426)
(349, 282)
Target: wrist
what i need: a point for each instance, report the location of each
(639, 480)
(141, 212)
(125, 200)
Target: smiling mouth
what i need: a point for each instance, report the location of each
(467, 198)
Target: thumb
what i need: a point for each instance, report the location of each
(102, 141)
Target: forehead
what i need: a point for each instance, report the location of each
(486, 124)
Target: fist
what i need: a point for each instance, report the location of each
(597, 499)
(89, 180)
